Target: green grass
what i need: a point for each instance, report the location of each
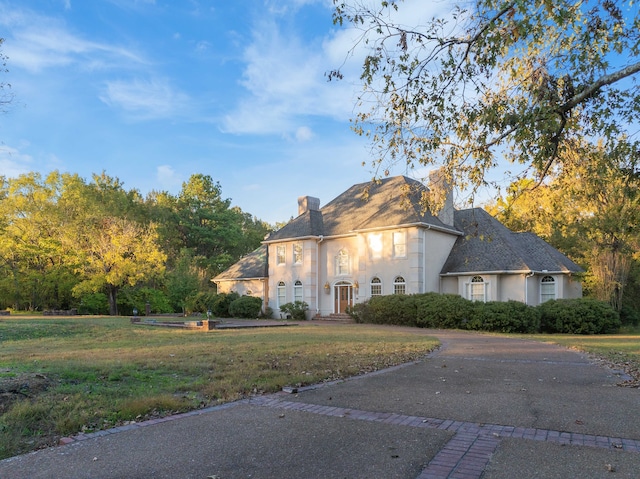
(67, 375)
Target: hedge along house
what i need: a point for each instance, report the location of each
(377, 239)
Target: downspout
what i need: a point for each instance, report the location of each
(526, 287)
(424, 265)
(321, 238)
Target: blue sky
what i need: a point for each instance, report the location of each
(152, 91)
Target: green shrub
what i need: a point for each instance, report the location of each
(245, 307)
(578, 316)
(447, 311)
(201, 302)
(504, 317)
(221, 302)
(360, 312)
(267, 313)
(296, 310)
(94, 303)
(398, 309)
(629, 316)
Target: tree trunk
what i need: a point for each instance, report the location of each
(112, 292)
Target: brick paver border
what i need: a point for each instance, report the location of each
(468, 452)
(464, 456)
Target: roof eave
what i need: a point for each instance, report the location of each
(291, 238)
(217, 280)
(521, 271)
(411, 225)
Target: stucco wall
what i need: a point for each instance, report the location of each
(290, 272)
(517, 287)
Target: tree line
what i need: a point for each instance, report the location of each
(588, 207)
(66, 243)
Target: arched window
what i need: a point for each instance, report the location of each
(342, 262)
(297, 291)
(547, 288)
(376, 286)
(399, 285)
(282, 293)
(478, 289)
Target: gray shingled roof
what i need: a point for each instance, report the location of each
(394, 201)
(487, 245)
(254, 265)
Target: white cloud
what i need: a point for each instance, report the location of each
(13, 162)
(285, 75)
(285, 80)
(145, 99)
(167, 177)
(36, 42)
(304, 133)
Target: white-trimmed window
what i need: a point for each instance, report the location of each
(297, 253)
(477, 289)
(281, 291)
(342, 262)
(400, 244)
(399, 285)
(376, 286)
(297, 291)
(375, 245)
(281, 254)
(547, 288)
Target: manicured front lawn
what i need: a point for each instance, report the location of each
(60, 376)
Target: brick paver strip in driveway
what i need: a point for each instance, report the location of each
(468, 452)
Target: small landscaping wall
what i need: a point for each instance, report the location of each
(450, 311)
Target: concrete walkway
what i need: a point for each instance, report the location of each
(481, 406)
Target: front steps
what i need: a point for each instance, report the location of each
(335, 317)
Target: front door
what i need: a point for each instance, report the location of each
(343, 295)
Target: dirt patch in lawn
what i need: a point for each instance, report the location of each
(21, 386)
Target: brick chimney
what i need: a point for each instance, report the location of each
(308, 203)
(439, 186)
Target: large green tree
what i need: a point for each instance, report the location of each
(216, 233)
(589, 207)
(493, 79)
(114, 245)
(62, 237)
(35, 268)
(115, 252)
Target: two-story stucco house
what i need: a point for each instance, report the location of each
(377, 239)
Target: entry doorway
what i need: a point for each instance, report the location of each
(343, 297)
